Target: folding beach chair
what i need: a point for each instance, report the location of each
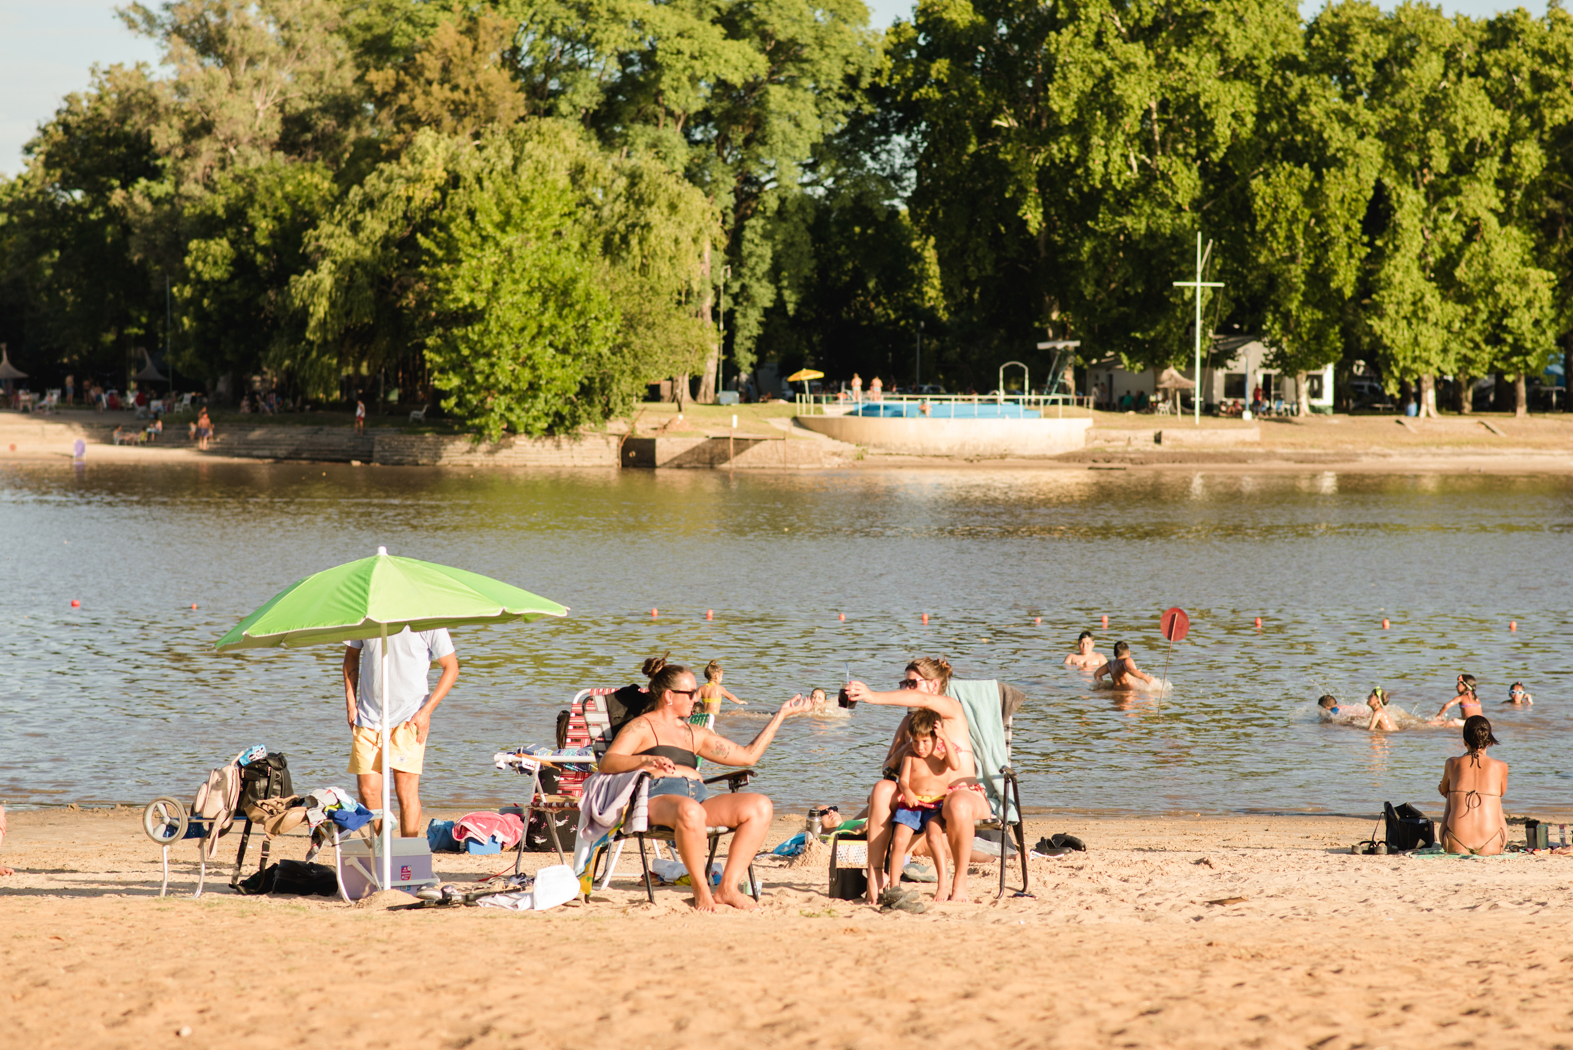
(990, 707)
(593, 720)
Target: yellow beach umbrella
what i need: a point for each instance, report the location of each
(803, 375)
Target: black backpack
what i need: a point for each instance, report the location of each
(292, 876)
(265, 778)
(1408, 828)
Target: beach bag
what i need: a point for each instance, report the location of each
(1408, 828)
(292, 876)
(439, 837)
(538, 839)
(264, 778)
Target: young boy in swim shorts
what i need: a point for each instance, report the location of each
(926, 775)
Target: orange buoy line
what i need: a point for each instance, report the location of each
(75, 604)
(1258, 622)
(710, 614)
(843, 617)
(1384, 623)
(1105, 619)
(925, 617)
(654, 613)
(1512, 625)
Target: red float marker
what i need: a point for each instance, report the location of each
(1105, 619)
(193, 605)
(710, 614)
(1384, 623)
(1258, 623)
(843, 617)
(1037, 619)
(925, 617)
(654, 613)
(75, 604)
(1512, 625)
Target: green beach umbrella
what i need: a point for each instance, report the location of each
(373, 598)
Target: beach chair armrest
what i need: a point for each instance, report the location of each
(734, 780)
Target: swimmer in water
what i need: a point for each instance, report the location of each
(1084, 656)
(1380, 719)
(1518, 697)
(1332, 709)
(1122, 669)
(1468, 703)
(711, 693)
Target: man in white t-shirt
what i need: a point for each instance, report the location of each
(410, 704)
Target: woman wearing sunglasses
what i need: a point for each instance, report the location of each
(665, 743)
(924, 684)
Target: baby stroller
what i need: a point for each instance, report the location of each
(231, 792)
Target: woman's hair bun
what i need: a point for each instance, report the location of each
(655, 665)
(944, 666)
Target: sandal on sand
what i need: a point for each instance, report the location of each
(908, 902)
(918, 873)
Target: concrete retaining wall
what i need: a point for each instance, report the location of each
(954, 437)
(1208, 437)
(714, 453)
(391, 448)
(430, 450)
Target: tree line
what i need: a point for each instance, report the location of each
(527, 210)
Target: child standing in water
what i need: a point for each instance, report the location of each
(926, 775)
(712, 691)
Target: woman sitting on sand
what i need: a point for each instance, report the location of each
(713, 691)
(923, 685)
(1084, 656)
(663, 742)
(1473, 785)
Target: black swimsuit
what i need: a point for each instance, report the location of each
(671, 752)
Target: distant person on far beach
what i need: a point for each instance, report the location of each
(1468, 703)
(1085, 656)
(1518, 697)
(876, 389)
(360, 416)
(1122, 670)
(1473, 785)
(204, 430)
(857, 387)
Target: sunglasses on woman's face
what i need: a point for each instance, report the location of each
(908, 683)
(684, 692)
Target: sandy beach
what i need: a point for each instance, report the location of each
(1493, 443)
(1120, 947)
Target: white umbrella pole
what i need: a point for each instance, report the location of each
(387, 771)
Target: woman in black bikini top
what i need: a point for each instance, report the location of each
(678, 798)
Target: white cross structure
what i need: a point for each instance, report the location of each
(1198, 284)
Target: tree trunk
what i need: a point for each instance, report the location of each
(1567, 369)
(1464, 393)
(1521, 396)
(707, 383)
(1428, 397)
(680, 391)
(1302, 395)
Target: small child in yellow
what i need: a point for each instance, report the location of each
(926, 775)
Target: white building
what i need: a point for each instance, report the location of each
(1234, 380)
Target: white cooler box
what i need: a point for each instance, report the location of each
(361, 866)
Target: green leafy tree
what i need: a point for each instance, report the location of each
(1070, 153)
(68, 230)
(396, 265)
(735, 96)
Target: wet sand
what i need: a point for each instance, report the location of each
(1120, 947)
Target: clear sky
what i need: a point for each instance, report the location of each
(48, 47)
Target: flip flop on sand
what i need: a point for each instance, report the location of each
(901, 900)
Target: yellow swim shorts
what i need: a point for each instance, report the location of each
(409, 754)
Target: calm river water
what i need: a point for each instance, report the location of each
(123, 699)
